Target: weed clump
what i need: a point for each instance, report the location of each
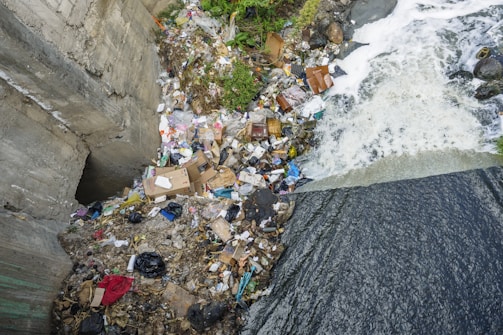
(240, 87)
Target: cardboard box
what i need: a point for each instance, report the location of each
(319, 78)
(222, 228)
(224, 178)
(274, 47)
(256, 131)
(200, 168)
(219, 133)
(179, 180)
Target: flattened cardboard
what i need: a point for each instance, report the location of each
(178, 298)
(319, 78)
(224, 178)
(179, 180)
(200, 168)
(222, 228)
(274, 47)
(98, 296)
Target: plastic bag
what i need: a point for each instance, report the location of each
(115, 287)
(232, 212)
(202, 317)
(135, 217)
(150, 265)
(172, 211)
(92, 325)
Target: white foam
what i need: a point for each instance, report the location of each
(402, 102)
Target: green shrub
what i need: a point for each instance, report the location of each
(171, 12)
(239, 87)
(256, 28)
(307, 13)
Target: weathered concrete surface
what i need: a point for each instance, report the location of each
(77, 82)
(156, 6)
(33, 265)
(39, 157)
(93, 66)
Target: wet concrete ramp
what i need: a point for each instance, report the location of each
(408, 257)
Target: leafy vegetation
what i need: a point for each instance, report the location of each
(254, 18)
(239, 87)
(307, 13)
(241, 40)
(171, 12)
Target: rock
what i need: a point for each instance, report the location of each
(461, 74)
(489, 89)
(201, 317)
(488, 69)
(317, 40)
(334, 33)
(366, 11)
(348, 47)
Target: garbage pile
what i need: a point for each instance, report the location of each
(144, 266)
(192, 243)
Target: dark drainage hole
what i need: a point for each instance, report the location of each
(99, 183)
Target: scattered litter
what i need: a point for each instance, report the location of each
(213, 201)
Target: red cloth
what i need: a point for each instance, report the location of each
(115, 287)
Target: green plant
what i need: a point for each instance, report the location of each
(254, 28)
(241, 40)
(72, 229)
(171, 12)
(307, 13)
(499, 145)
(239, 87)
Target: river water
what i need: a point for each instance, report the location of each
(397, 101)
(402, 230)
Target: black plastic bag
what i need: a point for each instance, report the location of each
(92, 325)
(96, 207)
(232, 212)
(174, 208)
(202, 317)
(135, 217)
(223, 155)
(253, 161)
(175, 157)
(196, 145)
(150, 265)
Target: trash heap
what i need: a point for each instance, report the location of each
(146, 266)
(192, 243)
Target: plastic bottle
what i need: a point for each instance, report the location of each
(130, 265)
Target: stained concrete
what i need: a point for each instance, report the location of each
(92, 66)
(77, 84)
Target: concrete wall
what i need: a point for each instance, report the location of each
(32, 267)
(77, 84)
(92, 66)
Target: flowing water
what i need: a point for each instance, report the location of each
(398, 103)
(406, 236)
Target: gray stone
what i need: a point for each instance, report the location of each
(488, 69)
(489, 89)
(334, 33)
(366, 11)
(317, 40)
(77, 85)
